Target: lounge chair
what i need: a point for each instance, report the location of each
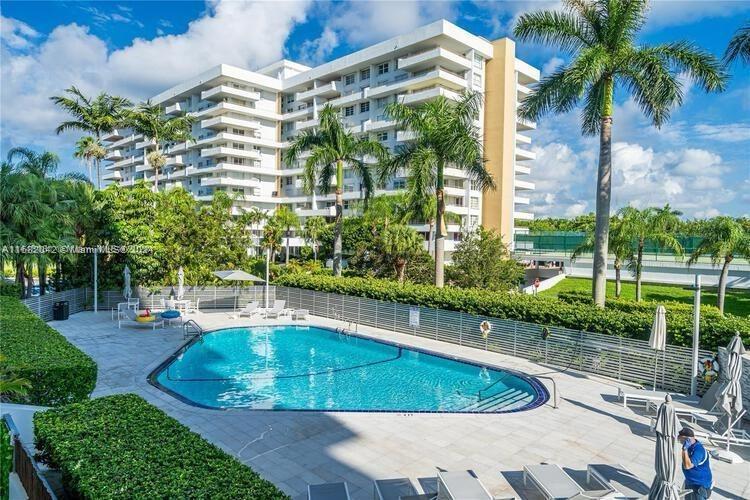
(277, 309)
(300, 314)
(704, 406)
(328, 491)
(251, 309)
(192, 309)
(719, 431)
(128, 316)
(398, 489)
(461, 485)
(617, 478)
(553, 483)
(645, 396)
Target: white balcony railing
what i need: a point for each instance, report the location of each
(435, 57)
(222, 91)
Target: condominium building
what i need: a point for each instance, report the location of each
(245, 120)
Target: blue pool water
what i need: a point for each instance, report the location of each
(308, 368)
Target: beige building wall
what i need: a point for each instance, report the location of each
(499, 137)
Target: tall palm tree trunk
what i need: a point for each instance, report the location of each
(639, 271)
(29, 281)
(288, 235)
(618, 278)
(440, 229)
(98, 164)
(430, 238)
(603, 199)
(42, 277)
(156, 169)
(400, 269)
(337, 244)
(723, 282)
(21, 276)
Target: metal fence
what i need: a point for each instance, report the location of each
(77, 299)
(620, 358)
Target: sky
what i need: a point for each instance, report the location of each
(699, 163)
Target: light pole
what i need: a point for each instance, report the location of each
(268, 262)
(96, 281)
(696, 333)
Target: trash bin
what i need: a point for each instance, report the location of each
(60, 310)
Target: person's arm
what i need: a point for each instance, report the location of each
(686, 462)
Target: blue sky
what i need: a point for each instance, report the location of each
(699, 163)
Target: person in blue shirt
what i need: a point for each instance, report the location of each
(695, 465)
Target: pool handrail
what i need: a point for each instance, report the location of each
(186, 328)
(555, 400)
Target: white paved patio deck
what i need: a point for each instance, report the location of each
(293, 449)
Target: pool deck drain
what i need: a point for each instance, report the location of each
(293, 449)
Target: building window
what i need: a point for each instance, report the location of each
(382, 136)
(477, 80)
(474, 202)
(288, 181)
(364, 74)
(364, 107)
(399, 184)
(349, 79)
(381, 102)
(478, 61)
(383, 68)
(349, 111)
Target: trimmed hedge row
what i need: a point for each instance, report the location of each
(715, 330)
(123, 447)
(10, 289)
(58, 371)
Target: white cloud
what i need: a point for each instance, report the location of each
(246, 34)
(551, 65)
(730, 132)
(318, 50)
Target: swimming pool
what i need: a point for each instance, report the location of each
(312, 368)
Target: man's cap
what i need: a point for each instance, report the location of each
(686, 432)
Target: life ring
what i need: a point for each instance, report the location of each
(546, 333)
(485, 327)
(709, 368)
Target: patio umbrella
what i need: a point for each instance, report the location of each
(180, 283)
(658, 339)
(236, 275)
(664, 486)
(729, 396)
(126, 290)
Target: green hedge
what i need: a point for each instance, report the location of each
(123, 447)
(10, 289)
(634, 323)
(58, 371)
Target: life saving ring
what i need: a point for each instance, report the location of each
(709, 368)
(546, 333)
(485, 327)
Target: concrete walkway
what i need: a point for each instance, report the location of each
(294, 449)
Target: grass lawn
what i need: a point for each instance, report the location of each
(736, 302)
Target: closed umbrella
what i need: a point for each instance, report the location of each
(236, 275)
(127, 291)
(658, 339)
(180, 283)
(730, 395)
(664, 486)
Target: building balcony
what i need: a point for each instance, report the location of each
(127, 162)
(222, 91)
(378, 125)
(523, 124)
(521, 200)
(229, 181)
(303, 125)
(351, 98)
(115, 135)
(316, 212)
(173, 109)
(524, 185)
(180, 147)
(112, 176)
(522, 170)
(437, 77)
(298, 114)
(434, 57)
(524, 154)
(427, 95)
(328, 90)
(145, 144)
(175, 160)
(523, 139)
(405, 135)
(143, 167)
(224, 108)
(228, 121)
(127, 140)
(522, 92)
(523, 215)
(526, 74)
(115, 155)
(227, 151)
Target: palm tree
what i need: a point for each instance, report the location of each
(96, 116)
(399, 243)
(10, 384)
(600, 35)
(253, 218)
(650, 224)
(620, 246)
(286, 218)
(445, 136)
(332, 147)
(723, 239)
(272, 232)
(314, 227)
(88, 150)
(151, 121)
(739, 46)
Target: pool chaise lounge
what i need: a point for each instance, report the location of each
(251, 309)
(461, 485)
(554, 483)
(328, 491)
(277, 309)
(645, 396)
(398, 489)
(617, 477)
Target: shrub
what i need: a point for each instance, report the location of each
(123, 447)
(633, 323)
(59, 372)
(10, 289)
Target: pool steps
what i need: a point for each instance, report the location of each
(505, 400)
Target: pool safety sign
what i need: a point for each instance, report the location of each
(414, 316)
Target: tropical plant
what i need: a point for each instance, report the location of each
(620, 246)
(445, 135)
(287, 219)
(332, 148)
(159, 128)
(10, 384)
(272, 236)
(313, 230)
(89, 150)
(398, 244)
(97, 116)
(481, 260)
(723, 239)
(252, 218)
(739, 46)
(600, 36)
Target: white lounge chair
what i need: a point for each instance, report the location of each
(719, 431)
(645, 396)
(553, 483)
(251, 309)
(618, 478)
(461, 485)
(328, 491)
(300, 314)
(193, 308)
(277, 309)
(128, 316)
(398, 489)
